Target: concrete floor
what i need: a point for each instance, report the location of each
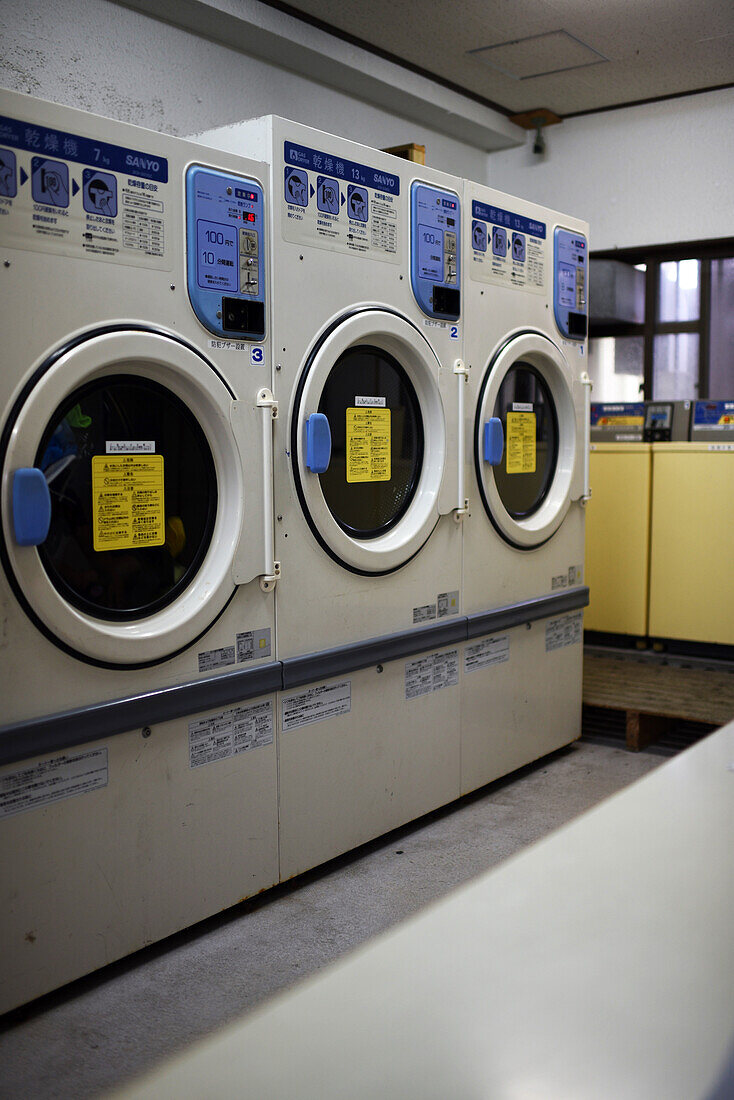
(104, 1029)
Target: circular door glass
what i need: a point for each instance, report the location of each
(376, 441)
(525, 406)
(133, 497)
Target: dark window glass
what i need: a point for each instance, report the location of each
(523, 493)
(126, 583)
(366, 509)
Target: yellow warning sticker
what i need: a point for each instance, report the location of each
(521, 443)
(621, 421)
(368, 444)
(127, 501)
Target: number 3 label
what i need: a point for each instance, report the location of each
(454, 332)
(256, 355)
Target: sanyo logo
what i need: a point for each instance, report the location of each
(384, 181)
(143, 164)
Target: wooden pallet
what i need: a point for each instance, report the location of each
(655, 695)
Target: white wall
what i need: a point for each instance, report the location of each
(642, 175)
(117, 62)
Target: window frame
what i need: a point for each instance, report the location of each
(653, 256)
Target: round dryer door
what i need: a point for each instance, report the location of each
(123, 440)
(525, 440)
(369, 441)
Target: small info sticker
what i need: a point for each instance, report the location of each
(431, 673)
(230, 732)
(568, 630)
(490, 651)
(368, 444)
(521, 443)
(127, 501)
(316, 704)
(63, 777)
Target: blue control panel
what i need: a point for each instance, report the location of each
(714, 414)
(435, 238)
(570, 282)
(225, 226)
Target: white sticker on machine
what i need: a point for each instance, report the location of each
(230, 732)
(316, 705)
(431, 673)
(63, 777)
(490, 651)
(567, 630)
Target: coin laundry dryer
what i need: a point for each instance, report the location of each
(138, 788)
(525, 290)
(367, 344)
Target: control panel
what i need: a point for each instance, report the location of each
(713, 422)
(225, 222)
(435, 222)
(570, 282)
(658, 423)
(618, 423)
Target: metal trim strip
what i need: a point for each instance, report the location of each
(542, 607)
(66, 729)
(298, 671)
(53, 732)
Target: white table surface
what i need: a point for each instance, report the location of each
(599, 963)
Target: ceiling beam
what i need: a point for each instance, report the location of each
(269, 35)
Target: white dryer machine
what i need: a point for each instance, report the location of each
(138, 789)
(527, 446)
(367, 346)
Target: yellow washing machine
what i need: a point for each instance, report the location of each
(618, 538)
(618, 520)
(692, 538)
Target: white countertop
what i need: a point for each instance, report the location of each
(598, 963)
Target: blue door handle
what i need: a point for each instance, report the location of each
(31, 506)
(318, 443)
(494, 441)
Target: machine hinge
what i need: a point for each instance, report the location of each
(265, 400)
(460, 367)
(459, 513)
(588, 384)
(268, 583)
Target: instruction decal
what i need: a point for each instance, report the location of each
(52, 780)
(568, 630)
(316, 705)
(447, 603)
(212, 659)
(230, 732)
(508, 249)
(339, 204)
(127, 501)
(368, 444)
(521, 431)
(431, 673)
(490, 651)
(72, 195)
(252, 645)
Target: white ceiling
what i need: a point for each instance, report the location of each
(569, 56)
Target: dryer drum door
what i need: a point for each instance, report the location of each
(369, 446)
(131, 432)
(528, 388)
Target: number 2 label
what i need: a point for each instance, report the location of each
(454, 332)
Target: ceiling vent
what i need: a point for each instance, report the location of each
(538, 55)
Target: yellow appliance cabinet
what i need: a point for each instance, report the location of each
(692, 543)
(618, 538)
